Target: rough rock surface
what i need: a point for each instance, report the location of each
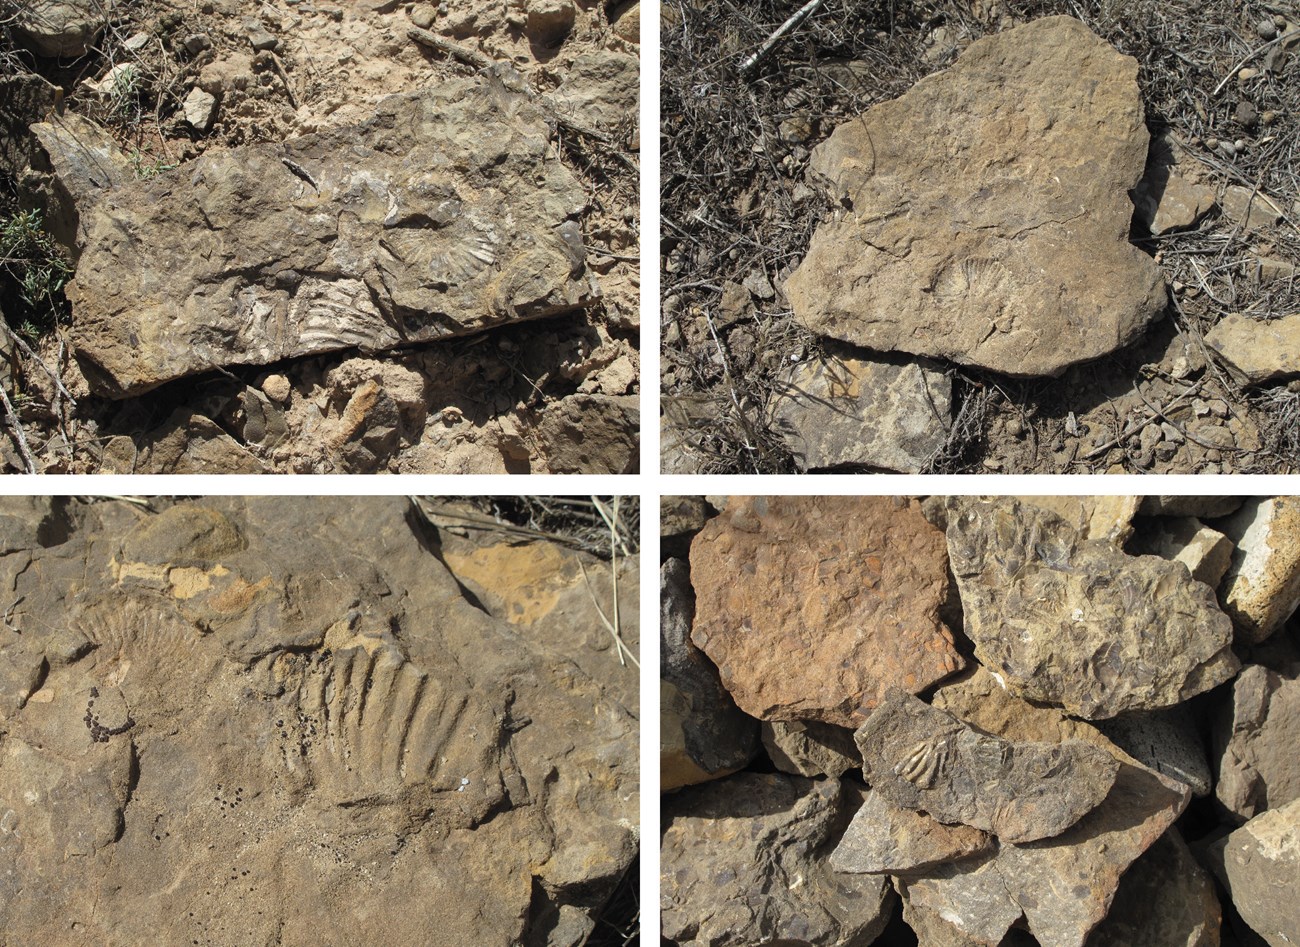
(995, 232)
(1259, 350)
(1165, 740)
(1259, 864)
(1062, 886)
(921, 758)
(438, 217)
(1109, 518)
(1206, 552)
(85, 164)
(703, 734)
(1077, 622)
(743, 862)
(680, 515)
(1255, 743)
(62, 29)
(1165, 900)
(887, 415)
(884, 839)
(812, 607)
(261, 718)
(809, 748)
(1262, 587)
(1171, 196)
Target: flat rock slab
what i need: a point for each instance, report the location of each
(921, 758)
(733, 849)
(1259, 864)
(1260, 351)
(1262, 587)
(703, 734)
(989, 211)
(1255, 740)
(860, 412)
(1077, 622)
(812, 607)
(445, 214)
(1109, 518)
(885, 839)
(284, 714)
(1206, 552)
(1168, 741)
(1062, 886)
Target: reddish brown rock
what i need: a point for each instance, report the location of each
(812, 607)
(884, 839)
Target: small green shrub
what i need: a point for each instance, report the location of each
(33, 272)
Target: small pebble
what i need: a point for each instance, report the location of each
(423, 15)
(262, 40)
(1269, 117)
(277, 388)
(1247, 74)
(1245, 114)
(1266, 28)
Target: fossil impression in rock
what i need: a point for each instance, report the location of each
(921, 758)
(440, 216)
(1078, 623)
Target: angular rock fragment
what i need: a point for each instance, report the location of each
(873, 413)
(1164, 900)
(1062, 886)
(1261, 351)
(1168, 198)
(995, 231)
(1077, 622)
(405, 229)
(809, 748)
(703, 734)
(1262, 587)
(85, 165)
(1255, 742)
(679, 515)
(1206, 552)
(811, 607)
(1259, 864)
(919, 757)
(1167, 741)
(884, 839)
(743, 861)
(591, 434)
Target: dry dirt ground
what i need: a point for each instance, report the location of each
(736, 207)
(511, 400)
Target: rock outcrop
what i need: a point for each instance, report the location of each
(987, 210)
(268, 715)
(813, 607)
(442, 215)
(1078, 623)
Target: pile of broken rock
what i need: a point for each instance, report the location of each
(980, 721)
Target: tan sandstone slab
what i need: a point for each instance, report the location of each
(1261, 351)
(989, 211)
(812, 607)
(1262, 587)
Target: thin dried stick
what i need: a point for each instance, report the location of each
(19, 436)
(807, 10)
